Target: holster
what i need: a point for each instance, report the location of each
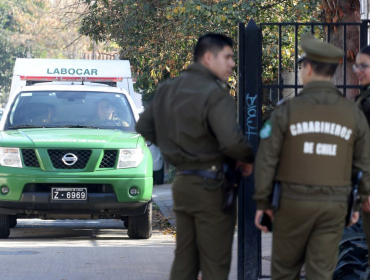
(230, 186)
(276, 194)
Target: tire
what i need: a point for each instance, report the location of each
(158, 176)
(4, 226)
(140, 227)
(12, 221)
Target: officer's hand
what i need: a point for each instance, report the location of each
(258, 217)
(245, 168)
(355, 217)
(366, 205)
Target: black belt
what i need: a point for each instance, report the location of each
(214, 175)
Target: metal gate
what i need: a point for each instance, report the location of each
(255, 92)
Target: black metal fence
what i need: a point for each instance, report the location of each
(261, 85)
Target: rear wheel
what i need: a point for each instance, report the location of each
(12, 221)
(4, 226)
(140, 227)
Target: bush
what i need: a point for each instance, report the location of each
(169, 175)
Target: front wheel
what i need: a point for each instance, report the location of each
(4, 226)
(140, 227)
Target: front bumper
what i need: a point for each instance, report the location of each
(96, 204)
(118, 201)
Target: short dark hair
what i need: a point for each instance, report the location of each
(321, 68)
(106, 100)
(211, 42)
(365, 50)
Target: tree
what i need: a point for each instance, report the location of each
(8, 50)
(158, 37)
(35, 28)
(337, 11)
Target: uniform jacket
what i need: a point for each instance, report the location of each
(192, 119)
(337, 185)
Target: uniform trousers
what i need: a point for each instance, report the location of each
(307, 232)
(204, 233)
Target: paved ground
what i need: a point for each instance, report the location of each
(79, 250)
(162, 196)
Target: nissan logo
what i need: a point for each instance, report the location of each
(69, 159)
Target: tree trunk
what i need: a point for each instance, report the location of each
(339, 11)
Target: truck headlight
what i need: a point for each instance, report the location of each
(10, 157)
(129, 158)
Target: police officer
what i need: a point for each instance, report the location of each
(310, 145)
(362, 70)
(192, 119)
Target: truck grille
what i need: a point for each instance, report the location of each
(109, 159)
(46, 188)
(30, 158)
(56, 157)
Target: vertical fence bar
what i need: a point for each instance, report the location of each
(363, 34)
(280, 68)
(328, 39)
(345, 60)
(296, 60)
(241, 118)
(259, 126)
(252, 116)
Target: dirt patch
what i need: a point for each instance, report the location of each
(161, 223)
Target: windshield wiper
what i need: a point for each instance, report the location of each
(80, 126)
(26, 126)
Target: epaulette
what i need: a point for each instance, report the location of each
(223, 85)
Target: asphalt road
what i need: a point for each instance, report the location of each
(78, 250)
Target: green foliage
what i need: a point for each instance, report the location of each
(8, 51)
(36, 27)
(158, 36)
(170, 175)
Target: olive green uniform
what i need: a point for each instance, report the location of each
(311, 145)
(309, 224)
(363, 101)
(192, 119)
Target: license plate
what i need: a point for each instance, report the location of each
(69, 193)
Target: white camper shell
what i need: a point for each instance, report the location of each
(75, 70)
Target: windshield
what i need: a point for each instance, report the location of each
(71, 109)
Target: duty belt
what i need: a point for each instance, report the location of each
(214, 175)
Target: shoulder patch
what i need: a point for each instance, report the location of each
(266, 130)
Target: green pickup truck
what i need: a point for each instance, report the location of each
(70, 151)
